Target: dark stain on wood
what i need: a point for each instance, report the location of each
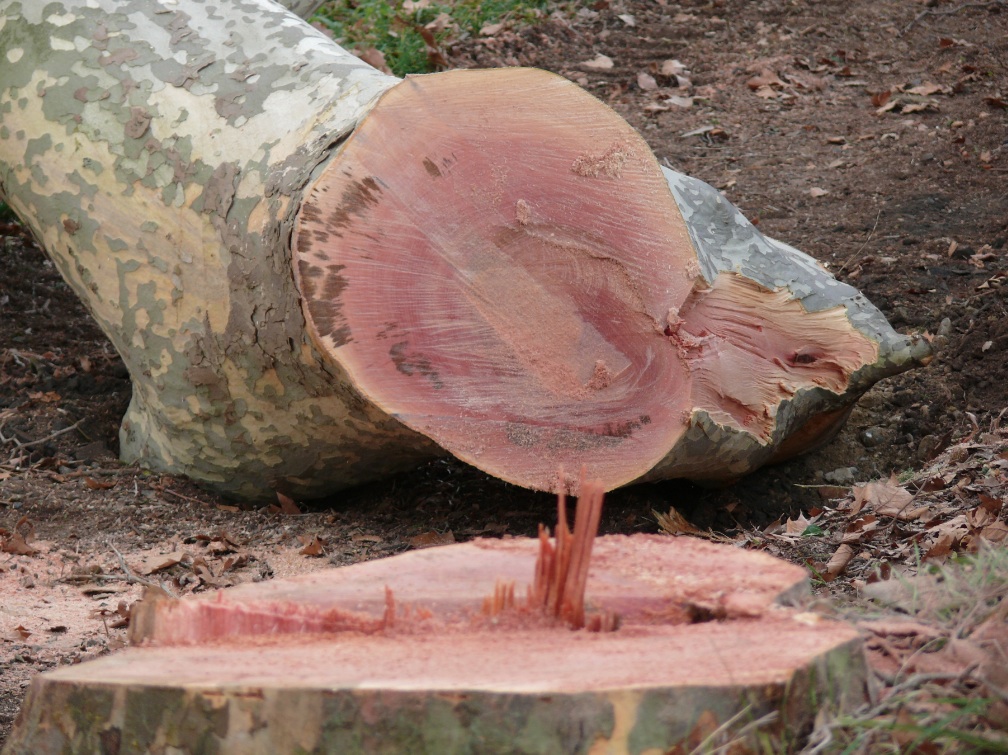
(323, 290)
(358, 197)
(431, 168)
(413, 365)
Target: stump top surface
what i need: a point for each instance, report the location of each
(649, 580)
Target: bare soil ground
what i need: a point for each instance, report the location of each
(872, 135)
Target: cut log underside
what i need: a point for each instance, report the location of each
(398, 655)
(517, 282)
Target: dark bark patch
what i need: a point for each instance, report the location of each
(220, 190)
(120, 56)
(138, 123)
(88, 94)
(625, 428)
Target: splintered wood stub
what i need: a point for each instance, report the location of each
(492, 258)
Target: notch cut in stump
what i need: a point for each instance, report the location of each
(397, 655)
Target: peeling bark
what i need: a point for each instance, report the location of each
(612, 316)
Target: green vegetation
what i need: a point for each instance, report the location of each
(412, 34)
(959, 708)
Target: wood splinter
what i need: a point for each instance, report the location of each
(561, 569)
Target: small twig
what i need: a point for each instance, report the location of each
(47, 438)
(185, 497)
(132, 578)
(949, 12)
(861, 249)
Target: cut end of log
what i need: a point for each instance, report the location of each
(496, 260)
(491, 258)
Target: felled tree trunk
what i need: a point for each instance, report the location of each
(318, 274)
(406, 655)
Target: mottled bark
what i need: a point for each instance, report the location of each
(607, 314)
(158, 153)
(314, 663)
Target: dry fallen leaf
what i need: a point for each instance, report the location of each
(765, 78)
(677, 101)
(598, 63)
(886, 498)
(287, 505)
(313, 545)
(838, 562)
(23, 633)
(16, 545)
(672, 68)
(431, 539)
(995, 532)
(927, 89)
(374, 58)
(94, 484)
(646, 81)
(161, 561)
(878, 99)
(674, 523)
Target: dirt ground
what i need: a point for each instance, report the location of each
(871, 135)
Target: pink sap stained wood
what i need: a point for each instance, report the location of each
(648, 580)
(692, 613)
(496, 274)
(748, 349)
(517, 283)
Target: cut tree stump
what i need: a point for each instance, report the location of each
(318, 274)
(413, 654)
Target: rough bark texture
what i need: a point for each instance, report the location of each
(161, 153)
(158, 153)
(320, 664)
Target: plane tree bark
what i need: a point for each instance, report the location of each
(318, 274)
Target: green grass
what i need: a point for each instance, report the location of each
(400, 34)
(921, 713)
